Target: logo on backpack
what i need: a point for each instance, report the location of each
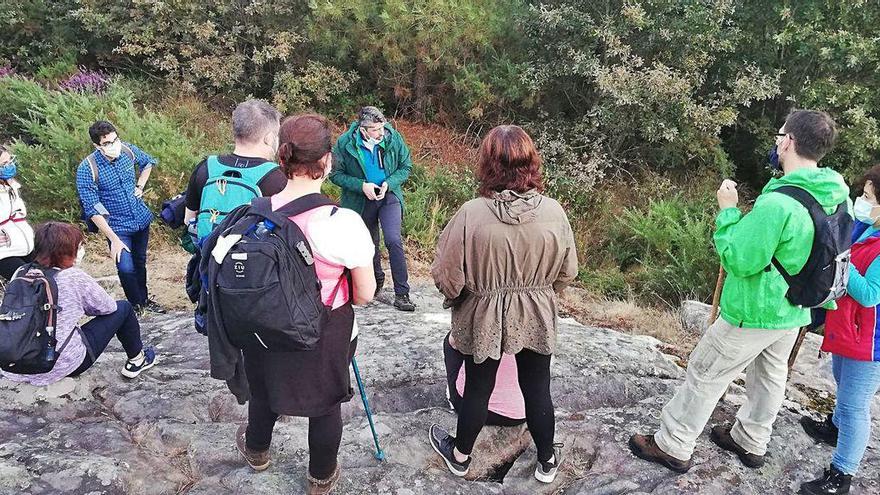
(262, 286)
(826, 273)
(28, 315)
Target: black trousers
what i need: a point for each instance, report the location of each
(454, 360)
(325, 434)
(9, 265)
(534, 381)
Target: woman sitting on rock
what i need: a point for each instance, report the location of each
(313, 383)
(60, 246)
(500, 263)
(506, 404)
(16, 235)
(853, 339)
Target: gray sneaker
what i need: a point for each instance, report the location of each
(546, 471)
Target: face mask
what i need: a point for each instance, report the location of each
(773, 158)
(80, 254)
(113, 151)
(862, 210)
(9, 170)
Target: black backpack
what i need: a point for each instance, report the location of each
(264, 289)
(28, 317)
(826, 273)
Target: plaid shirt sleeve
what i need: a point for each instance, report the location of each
(87, 189)
(143, 160)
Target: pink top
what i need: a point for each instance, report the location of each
(507, 399)
(339, 240)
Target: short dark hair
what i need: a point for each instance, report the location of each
(508, 159)
(100, 129)
(814, 132)
(305, 139)
(873, 175)
(56, 244)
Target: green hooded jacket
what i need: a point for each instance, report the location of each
(754, 292)
(348, 166)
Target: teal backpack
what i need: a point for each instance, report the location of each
(226, 189)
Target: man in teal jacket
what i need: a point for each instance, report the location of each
(370, 163)
(758, 325)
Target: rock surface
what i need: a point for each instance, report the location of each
(694, 316)
(171, 430)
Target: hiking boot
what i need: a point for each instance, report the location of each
(402, 302)
(833, 482)
(257, 460)
(545, 471)
(444, 444)
(380, 284)
(644, 447)
(821, 431)
(325, 486)
(720, 436)
(132, 370)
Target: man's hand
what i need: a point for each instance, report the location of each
(5, 241)
(138, 191)
(727, 195)
(116, 248)
(382, 191)
(370, 190)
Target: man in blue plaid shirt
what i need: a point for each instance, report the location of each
(111, 184)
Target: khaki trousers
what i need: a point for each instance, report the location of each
(720, 356)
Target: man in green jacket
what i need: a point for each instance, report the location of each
(758, 325)
(370, 163)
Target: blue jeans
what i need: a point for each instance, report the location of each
(100, 330)
(388, 213)
(857, 383)
(132, 266)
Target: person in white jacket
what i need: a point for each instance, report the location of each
(16, 235)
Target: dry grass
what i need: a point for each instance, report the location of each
(166, 269)
(627, 316)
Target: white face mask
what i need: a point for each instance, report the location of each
(80, 254)
(113, 151)
(862, 210)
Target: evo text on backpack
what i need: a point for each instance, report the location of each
(28, 316)
(262, 288)
(826, 273)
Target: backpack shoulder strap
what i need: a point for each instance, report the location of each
(128, 151)
(304, 204)
(93, 164)
(806, 199)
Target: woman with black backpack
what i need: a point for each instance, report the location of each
(312, 383)
(58, 248)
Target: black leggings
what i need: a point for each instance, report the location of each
(325, 435)
(9, 265)
(534, 381)
(454, 360)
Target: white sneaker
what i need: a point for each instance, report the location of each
(546, 471)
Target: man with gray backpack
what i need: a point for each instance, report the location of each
(789, 254)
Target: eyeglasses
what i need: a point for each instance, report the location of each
(109, 143)
(783, 134)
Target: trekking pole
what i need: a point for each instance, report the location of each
(716, 297)
(802, 333)
(380, 455)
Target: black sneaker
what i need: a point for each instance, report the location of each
(821, 431)
(546, 471)
(402, 302)
(131, 370)
(444, 444)
(833, 482)
(150, 306)
(380, 284)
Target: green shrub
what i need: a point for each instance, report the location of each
(665, 248)
(431, 197)
(54, 139)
